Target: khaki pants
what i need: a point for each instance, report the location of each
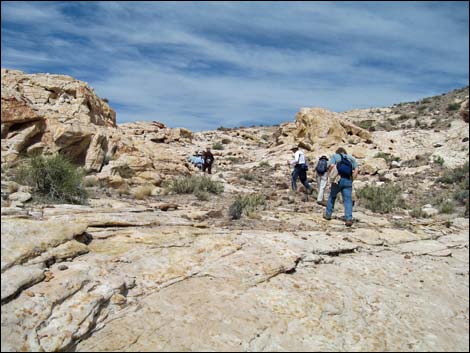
(322, 180)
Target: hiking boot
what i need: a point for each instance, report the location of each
(328, 218)
(321, 203)
(349, 223)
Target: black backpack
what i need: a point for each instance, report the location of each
(322, 165)
(344, 167)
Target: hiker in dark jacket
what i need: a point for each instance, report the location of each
(208, 160)
(347, 169)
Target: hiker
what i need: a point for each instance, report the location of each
(347, 169)
(208, 160)
(198, 161)
(300, 169)
(322, 178)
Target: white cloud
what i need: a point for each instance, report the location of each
(207, 64)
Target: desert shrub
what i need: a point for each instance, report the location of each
(54, 178)
(382, 199)
(264, 164)
(226, 141)
(202, 195)
(461, 196)
(217, 146)
(438, 160)
(387, 156)
(236, 209)
(234, 159)
(194, 183)
(453, 106)
(417, 212)
(422, 108)
(246, 204)
(447, 207)
(459, 179)
(265, 137)
(365, 124)
(143, 191)
(403, 117)
(247, 175)
(457, 175)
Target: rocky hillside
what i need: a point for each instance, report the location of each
(142, 267)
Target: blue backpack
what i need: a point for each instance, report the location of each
(322, 165)
(344, 167)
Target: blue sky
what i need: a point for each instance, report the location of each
(202, 65)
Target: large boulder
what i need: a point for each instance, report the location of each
(317, 126)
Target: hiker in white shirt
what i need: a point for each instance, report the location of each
(300, 169)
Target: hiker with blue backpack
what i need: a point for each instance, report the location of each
(300, 169)
(322, 178)
(347, 169)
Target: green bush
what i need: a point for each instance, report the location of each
(417, 212)
(422, 108)
(457, 175)
(53, 178)
(265, 137)
(387, 156)
(245, 204)
(234, 160)
(447, 207)
(194, 184)
(217, 146)
(453, 107)
(226, 141)
(382, 199)
(247, 175)
(202, 195)
(438, 160)
(404, 117)
(459, 179)
(365, 124)
(236, 209)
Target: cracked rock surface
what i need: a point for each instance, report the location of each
(157, 282)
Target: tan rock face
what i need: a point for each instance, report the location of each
(56, 113)
(321, 127)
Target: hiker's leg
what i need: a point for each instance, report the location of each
(346, 192)
(303, 179)
(295, 174)
(321, 182)
(331, 199)
(210, 168)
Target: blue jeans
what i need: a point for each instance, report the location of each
(299, 172)
(345, 186)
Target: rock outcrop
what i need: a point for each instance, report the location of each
(43, 113)
(321, 127)
(52, 113)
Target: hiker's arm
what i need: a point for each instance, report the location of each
(355, 173)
